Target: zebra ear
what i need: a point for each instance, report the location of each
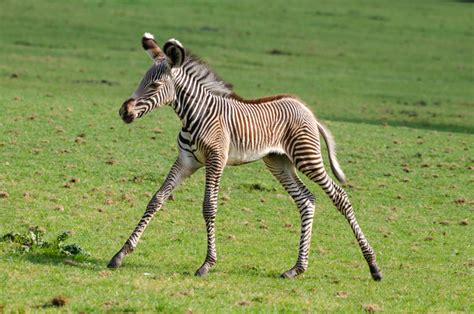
(174, 50)
(151, 47)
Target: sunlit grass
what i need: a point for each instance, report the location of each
(393, 81)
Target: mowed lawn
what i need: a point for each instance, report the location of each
(393, 80)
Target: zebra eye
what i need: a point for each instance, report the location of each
(155, 85)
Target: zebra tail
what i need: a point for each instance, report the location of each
(331, 145)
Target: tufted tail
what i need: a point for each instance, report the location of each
(331, 145)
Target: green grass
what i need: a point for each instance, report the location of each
(392, 80)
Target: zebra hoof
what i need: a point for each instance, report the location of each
(203, 271)
(116, 261)
(375, 272)
(292, 273)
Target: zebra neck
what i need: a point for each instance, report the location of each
(191, 104)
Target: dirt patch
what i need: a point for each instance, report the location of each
(110, 162)
(58, 301)
(377, 18)
(341, 295)
(209, 29)
(409, 113)
(23, 43)
(464, 222)
(243, 303)
(278, 52)
(105, 82)
(256, 187)
(420, 103)
(460, 201)
(323, 13)
(371, 308)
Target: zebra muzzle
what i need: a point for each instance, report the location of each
(126, 112)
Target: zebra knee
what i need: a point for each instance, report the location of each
(343, 194)
(209, 214)
(339, 197)
(310, 199)
(155, 202)
(307, 214)
(307, 206)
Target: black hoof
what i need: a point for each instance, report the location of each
(116, 261)
(375, 272)
(292, 273)
(203, 271)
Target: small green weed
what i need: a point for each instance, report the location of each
(34, 241)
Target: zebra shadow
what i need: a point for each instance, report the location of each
(254, 272)
(86, 262)
(51, 259)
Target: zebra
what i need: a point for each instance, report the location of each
(220, 128)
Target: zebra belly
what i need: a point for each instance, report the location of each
(238, 156)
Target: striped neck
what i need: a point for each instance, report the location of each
(192, 100)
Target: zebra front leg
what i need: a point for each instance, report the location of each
(214, 169)
(176, 174)
(284, 171)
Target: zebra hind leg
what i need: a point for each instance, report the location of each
(284, 171)
(340, 199)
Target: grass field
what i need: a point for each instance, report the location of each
(392, 80)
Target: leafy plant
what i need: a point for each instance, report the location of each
(34, 240)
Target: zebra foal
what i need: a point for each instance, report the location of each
(220, 128)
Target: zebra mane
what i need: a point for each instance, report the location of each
(199, 69)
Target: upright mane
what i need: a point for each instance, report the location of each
(198, 68)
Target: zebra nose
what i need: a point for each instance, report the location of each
(126, 111)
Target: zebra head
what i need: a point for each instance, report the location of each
(157, 87)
